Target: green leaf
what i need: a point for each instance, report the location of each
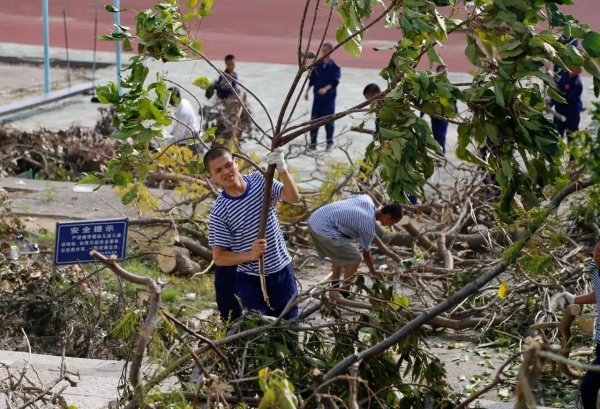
(202, 82)
(174, 54)
(91, 179)
(353, 46)
(131, 194)
(464, 134)
(499, 93)
(191, 3)
(389, 133)
(387, 115)
(113, 9)
(119, 135)
(122, 178)
(146, 135)
(397, 149)
(422, 26)
(492, 132)
(147, 110)
(143, 171)
(506, 168)
(555, 95)
(108, 94)
(127, 45)
(591, 44)
(555, 17)
(473, 52)
(433, 55)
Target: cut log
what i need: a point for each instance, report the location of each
(476, 241)
(194, 247)
(176, 260)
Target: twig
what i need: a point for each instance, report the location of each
(213, 347)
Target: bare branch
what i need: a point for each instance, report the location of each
(151, 319)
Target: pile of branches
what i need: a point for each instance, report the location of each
(55, 155)
(449, 264)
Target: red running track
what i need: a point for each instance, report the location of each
(252, 30)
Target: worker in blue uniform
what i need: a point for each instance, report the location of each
(224, 89)
(570, 86)
(324, 79)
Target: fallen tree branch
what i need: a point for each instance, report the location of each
(462, 294)
(151, 319)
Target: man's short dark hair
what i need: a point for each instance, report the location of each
(441, 68)
(229, 57)
(175, 94)
(393, 209)
(328, 45)
(214, 153)
(371, 89)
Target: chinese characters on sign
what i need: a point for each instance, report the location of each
(75, 240)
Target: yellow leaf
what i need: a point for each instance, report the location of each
(267, 400)
(503, 290)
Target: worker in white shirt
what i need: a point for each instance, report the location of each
(185, 120)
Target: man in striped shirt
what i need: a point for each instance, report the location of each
(233, 231)
(590, 383)
(333, 226)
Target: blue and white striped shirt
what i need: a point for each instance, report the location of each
(596, 281)
(234, 225)
(352, 218)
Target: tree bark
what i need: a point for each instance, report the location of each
(475, 241)
(194, 247)
(173, 260)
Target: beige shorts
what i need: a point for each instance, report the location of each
(340, 250)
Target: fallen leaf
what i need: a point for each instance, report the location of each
(6, 286)
(503, 290)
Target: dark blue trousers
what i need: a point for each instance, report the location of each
(281, 287)
(439, 129)
(225, 290)
(590, 384)
(320, 109)
(570, 125)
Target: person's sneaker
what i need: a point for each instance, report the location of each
(312, 147)
(329, 147)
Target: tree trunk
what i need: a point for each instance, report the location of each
(194, 247)
(176, 260)
(475, 241)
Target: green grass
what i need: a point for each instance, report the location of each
(170, 295)
(173, 293)
(44, 239)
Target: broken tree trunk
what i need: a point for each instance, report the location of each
(194, 247)
(176, 260)
(477, 241)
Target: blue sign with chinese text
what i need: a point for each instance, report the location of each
(75, 240)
